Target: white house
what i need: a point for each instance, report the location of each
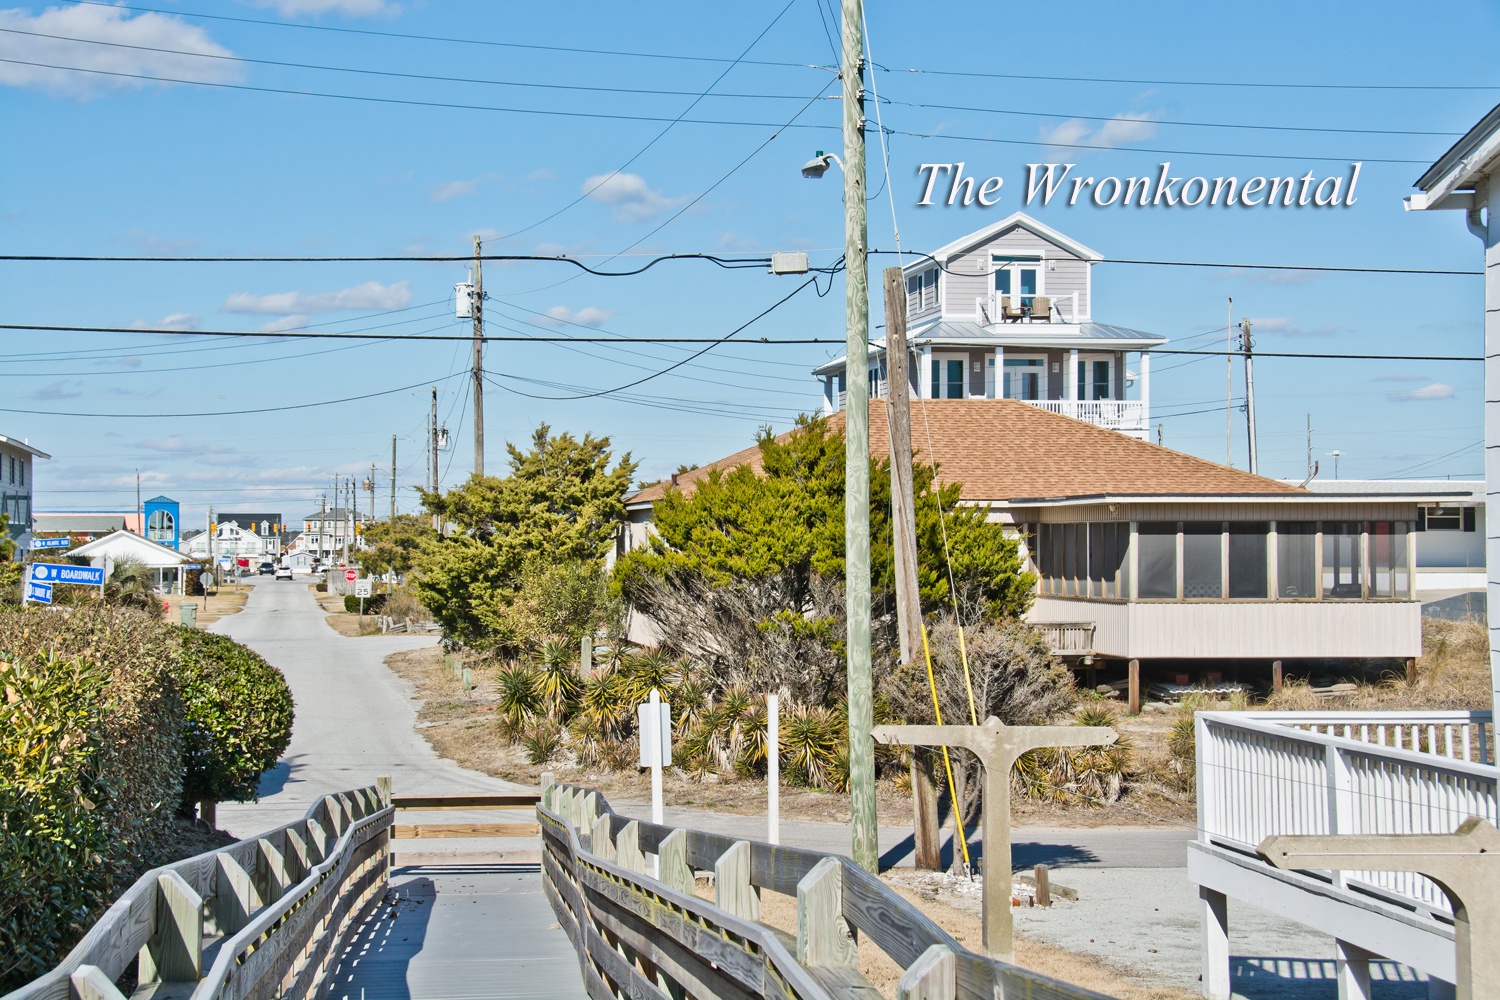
(1008, 313)
(325, 532)
(16, 479)
(121, 546)
(230, 541)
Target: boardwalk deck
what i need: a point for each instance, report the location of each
(460, 932)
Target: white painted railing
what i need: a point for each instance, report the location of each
(1069, 637)
(1115, 414)
(1266, 773)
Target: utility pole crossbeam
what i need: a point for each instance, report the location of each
(997, 746)
(857, 447)
(1465, 864)
(478, 369)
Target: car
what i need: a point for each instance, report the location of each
(283, 572)
(267, 569)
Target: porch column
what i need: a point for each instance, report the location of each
(1353, 964)
(924, 372)
(1145, 392)
(828, 400)
(1135, 688)
(999, 387)
(1213, 908)
(1070, 377)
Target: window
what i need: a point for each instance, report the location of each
(1442, 518)
(948, 378)
(1296, 559)
(1341, 560)
(1389, 575)
(159, 526)
(1202, 561)
(1021, 280)
(1247, 560)
(1108, 544)
(1094, 379)
(1025, 378)
(1158, 559)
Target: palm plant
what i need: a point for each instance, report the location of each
(647, 670)
(605, 702)
(557, 681)
(810, 742)
(519, 696)
(542, 742)
(130, 585)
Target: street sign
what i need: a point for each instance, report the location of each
(39, 592)
(187, 566)
(655, 728)
(51, 543)
(351, 575)
(362, 587)
(90, 576)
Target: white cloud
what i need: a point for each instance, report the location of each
(105, 24)
(1120, 130)
(371, 295)
(587, 316)
(1433, 390)
(460, 189)
(346, 8)
(632, 198)
(175, 321)
(60, 390)
(295, 321)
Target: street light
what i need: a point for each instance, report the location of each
(818, 165)
(1335, 453)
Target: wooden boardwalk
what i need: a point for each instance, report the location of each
(460, 932)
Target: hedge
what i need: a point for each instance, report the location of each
(374, 604)
(239, 718)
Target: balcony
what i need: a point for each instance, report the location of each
(1128, 415)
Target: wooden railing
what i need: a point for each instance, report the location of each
(651, 938)
(259, 918)
(1069, 638)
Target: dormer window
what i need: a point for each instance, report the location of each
(1019, 279)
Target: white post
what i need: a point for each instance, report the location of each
(656, 809)
(1145, 391)
(999, 386)
(1070, 386)
(773, 769)
(924, 376)
(1491, 421)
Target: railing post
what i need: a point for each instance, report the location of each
(1339, 795)
(604, 845)
(271, 871)
(824, 937)
(174, 952)
(933, 976)
(383, 783)
(732, 888)
(671, 856)
(235, 898)
(549, 786)
(628, 848)
(297, 854)
(90, 983)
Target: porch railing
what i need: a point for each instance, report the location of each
(1114, 414)
(1068, 638)
(1265, 773)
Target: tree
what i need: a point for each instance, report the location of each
(561, 503)
(130, 586)
(395, 546)
(747, 570)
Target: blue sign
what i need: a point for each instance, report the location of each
(39, 592)
(51, 543)
(91, 576)
(192, 565)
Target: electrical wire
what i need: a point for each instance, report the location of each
(435, 338)
(728, 263)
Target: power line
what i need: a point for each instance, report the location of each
(233, 413)
(728, 263)
(434, 338)
(1252, 84)
(1339, 357)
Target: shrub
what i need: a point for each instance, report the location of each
(55, 840)
(131, 584)
(373, 604)
(239, 718)
(1091, 776)
(402, 604)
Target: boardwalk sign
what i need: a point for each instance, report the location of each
(49, 573)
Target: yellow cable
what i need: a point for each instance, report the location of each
(963, 656)
(958, 819)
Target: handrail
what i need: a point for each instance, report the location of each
(638, 935)
(266, 899)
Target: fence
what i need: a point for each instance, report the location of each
(645, 938)
(1264, 773)
(259, 918)
(1069, 638)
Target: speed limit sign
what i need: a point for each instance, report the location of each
(351, 575)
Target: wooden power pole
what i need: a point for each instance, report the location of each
(432, 445)
(393, 477)
(904, 521)
(478, 362)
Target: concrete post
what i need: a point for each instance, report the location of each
(1214, 910)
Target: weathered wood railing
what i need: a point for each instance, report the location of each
(648, 938)
(259, 918)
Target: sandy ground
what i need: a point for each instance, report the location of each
(227, 601)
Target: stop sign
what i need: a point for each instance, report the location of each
(351, 575)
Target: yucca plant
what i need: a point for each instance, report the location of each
(810, 742)
(518, 698)
(542, 742)
(690, 705)
(1182, 744)
(647, 670)
(605, 702)
(693, 754)
(1092, 776)
(557, 679)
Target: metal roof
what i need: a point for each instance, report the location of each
(23, 446)
(1445, 489)
(1460, 150)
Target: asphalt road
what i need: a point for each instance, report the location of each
(355, 719)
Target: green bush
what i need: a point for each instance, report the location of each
(239, 718)
(373, 604)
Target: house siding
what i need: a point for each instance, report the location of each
(968, 274)
(1247, 511)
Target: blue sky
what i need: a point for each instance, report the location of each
(100, 164)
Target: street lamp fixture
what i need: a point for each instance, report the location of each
(818, 165)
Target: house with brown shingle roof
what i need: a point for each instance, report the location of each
(1154, 561)
(1007, 312)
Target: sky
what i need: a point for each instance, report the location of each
(615, 134)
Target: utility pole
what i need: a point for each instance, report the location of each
(393, 479)
(857, 447)
(372, 492)
(1309, 449)
(478, 362)
(348, 516)
(432, 448)
(1229, 382)
(140, 511)
(904, 525)
(1248, 347)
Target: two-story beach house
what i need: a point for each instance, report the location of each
(1008, 313)
(16, 460)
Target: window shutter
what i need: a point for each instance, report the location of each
(1421, 518)
(1469, 519)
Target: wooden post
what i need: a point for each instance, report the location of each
(732, 888)
(586, 656)
(208, 812)
(933, 976)
(549, 791)
(174, 952)
(628, 848)
(824, 937)
(1043, 885)
(383, 783)
(235, 898)
(672, 861)
(926, 833)
(468, 679)
(1276, 678)
(270, 870)
(1135, 687)
(1464, 864)
(997, 746)
(90, 983)
(297, 856)
(604, 845)
(1411, 671)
